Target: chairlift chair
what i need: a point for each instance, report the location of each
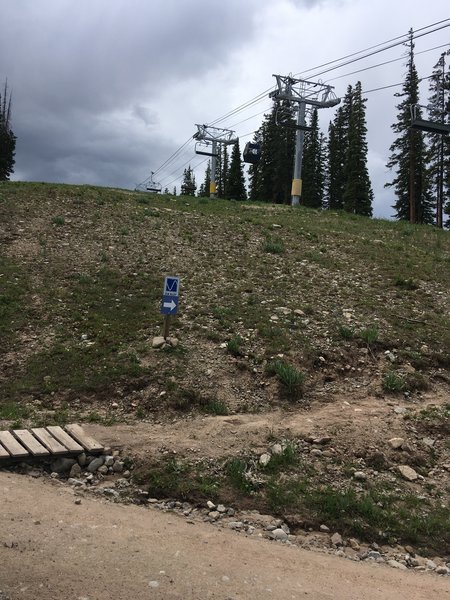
(153, 187)
(252, 152)
(205, 148)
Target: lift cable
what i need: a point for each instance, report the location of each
(403, 38)
(387, 62)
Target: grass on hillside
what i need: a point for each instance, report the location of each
(82, 269)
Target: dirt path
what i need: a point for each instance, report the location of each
(53, 549)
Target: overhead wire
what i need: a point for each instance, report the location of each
(355, 57)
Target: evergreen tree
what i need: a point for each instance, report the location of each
(337, 153)
(235, 183)
(408, 154)
(312, 165)
(7, 137)
(204, 187)
(188, 185)
(438, 149)
(271, 178)
(174, 191)
(358, 195)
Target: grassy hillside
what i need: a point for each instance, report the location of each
(335, 324)
(307, 297)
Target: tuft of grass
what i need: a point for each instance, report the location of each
(345, 332)
(392, 382)
(58, 220)
(288, 458)
(369, 335)
(235, 471)
(13, 411)
(234, 346)
(406, 284)
(216, 407)
(289, 377)
(273, 245)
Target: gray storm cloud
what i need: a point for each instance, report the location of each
(72, 65)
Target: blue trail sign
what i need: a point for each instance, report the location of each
(169, 302)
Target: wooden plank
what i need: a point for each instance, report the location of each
(49, 441)
(3, 453)
(83, 438)
(12, 445)
(64, 438)
(27, 439)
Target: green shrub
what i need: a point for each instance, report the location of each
(369, 334)
(234, 346)
(290, 378)
(273, 246)
(392, 382)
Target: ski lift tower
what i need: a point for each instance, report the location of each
(208, 140)
(303, 93)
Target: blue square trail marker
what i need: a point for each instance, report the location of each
(169, 301)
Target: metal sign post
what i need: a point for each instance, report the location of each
(169, 301)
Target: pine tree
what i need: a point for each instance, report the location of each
(408, 155)
(7, 137)
(174, 191)
(235, 183)
(204, 187)
(222, 170)
(312, 165)
(188, 185)
(337, 153)
(438, 149)
(271, 178)
(358, 195)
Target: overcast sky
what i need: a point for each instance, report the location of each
(104, 91)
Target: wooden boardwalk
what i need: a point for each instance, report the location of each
(41, 442)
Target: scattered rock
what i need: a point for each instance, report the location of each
(324, 528)
(279, 534)
(397, 565)
(354, 544)
(95, 464)
(277, 449)
(360, 475)
(118, 466)
(336, 539)
(264, 459)
(158, 341)
(442, 570)
(396, 443)
(75, 471)
(211, 505)
(407, 473)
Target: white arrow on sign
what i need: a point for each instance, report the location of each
(170, 305)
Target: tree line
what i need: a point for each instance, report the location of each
(334, 167)
(7, 137)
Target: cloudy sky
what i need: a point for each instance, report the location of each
(105, 91)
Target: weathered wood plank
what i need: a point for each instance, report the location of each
(49, 441)
(64, 438)
(12, 445)
(3, 453)
(83, 438)
(27, 439)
